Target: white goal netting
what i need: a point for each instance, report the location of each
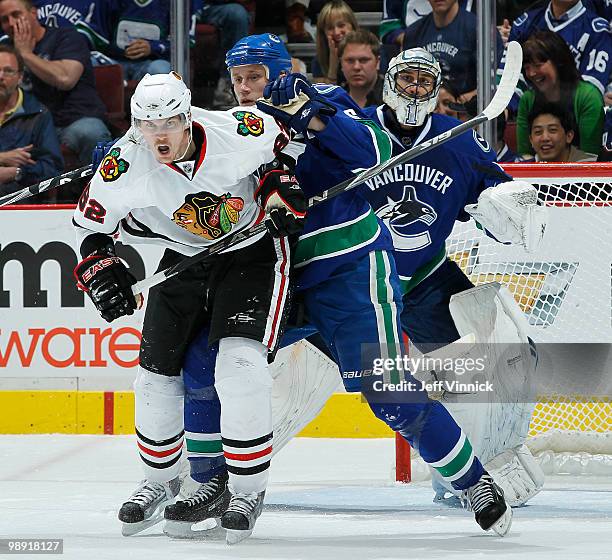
(565, 290)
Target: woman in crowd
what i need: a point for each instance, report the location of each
(335, 20)
(549, 68)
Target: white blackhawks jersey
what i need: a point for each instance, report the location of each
(188, 205)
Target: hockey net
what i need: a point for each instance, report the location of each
(565, 292)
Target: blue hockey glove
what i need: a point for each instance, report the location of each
(100, 151)
(294, 101)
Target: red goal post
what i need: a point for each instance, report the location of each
(565, 292)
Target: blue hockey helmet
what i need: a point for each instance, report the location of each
(266, 49)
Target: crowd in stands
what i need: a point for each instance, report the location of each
(54, 111)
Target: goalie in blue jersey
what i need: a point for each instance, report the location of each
(420, 201)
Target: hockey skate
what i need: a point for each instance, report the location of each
(486, 500)
(145, 507)
(209, 501)
(242, 512)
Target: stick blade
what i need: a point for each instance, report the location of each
(509, 79)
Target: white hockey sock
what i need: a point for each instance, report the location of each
(244, 387)
(159, 423)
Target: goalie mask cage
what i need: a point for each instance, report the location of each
(565, 291)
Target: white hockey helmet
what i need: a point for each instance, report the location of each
(161, 96)
(412, 109)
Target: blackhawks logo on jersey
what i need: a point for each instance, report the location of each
(208, 215)
(112, 167)
(250, 123)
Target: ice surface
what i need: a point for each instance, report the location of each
(328, 499)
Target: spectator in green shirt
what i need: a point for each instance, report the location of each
(549, 68)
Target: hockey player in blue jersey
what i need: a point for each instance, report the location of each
(587, 35)
(352, 296)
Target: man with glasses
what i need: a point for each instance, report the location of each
(59, 68)
(29, 149)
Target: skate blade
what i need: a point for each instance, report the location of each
(234, 536)
(131, 529)
(185, 530)
(448, 501)
(503, 524)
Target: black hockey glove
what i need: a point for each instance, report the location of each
(108, 283)
(294, 101)
(283, 201)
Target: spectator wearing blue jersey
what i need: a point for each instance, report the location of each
(548, 66)
(133, 34)
(399, 14)
(603, 8)
(449, 33)
(586, 34)
(63, 13)
(551, 131)
(29, 149)
(60, 72)
(335, 21)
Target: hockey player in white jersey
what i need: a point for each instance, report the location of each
(183, 178)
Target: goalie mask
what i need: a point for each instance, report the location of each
(411, 86)
(159, 97)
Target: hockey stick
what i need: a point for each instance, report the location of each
(505, 90)
(46, 185)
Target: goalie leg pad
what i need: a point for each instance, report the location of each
(500, 419)
(518, 474)
(304, 378)
(159, 423)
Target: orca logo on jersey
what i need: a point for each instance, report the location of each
(208, 215)
(407, 211)
(112, 167)
(250, 124)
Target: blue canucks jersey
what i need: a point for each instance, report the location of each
(420, 200)
(587, 35)
(114, 24)
(66, 13)
(454, 46)
(398, 14)
(344, 228)
(603, 8)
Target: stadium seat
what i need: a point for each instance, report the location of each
(110, 86)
